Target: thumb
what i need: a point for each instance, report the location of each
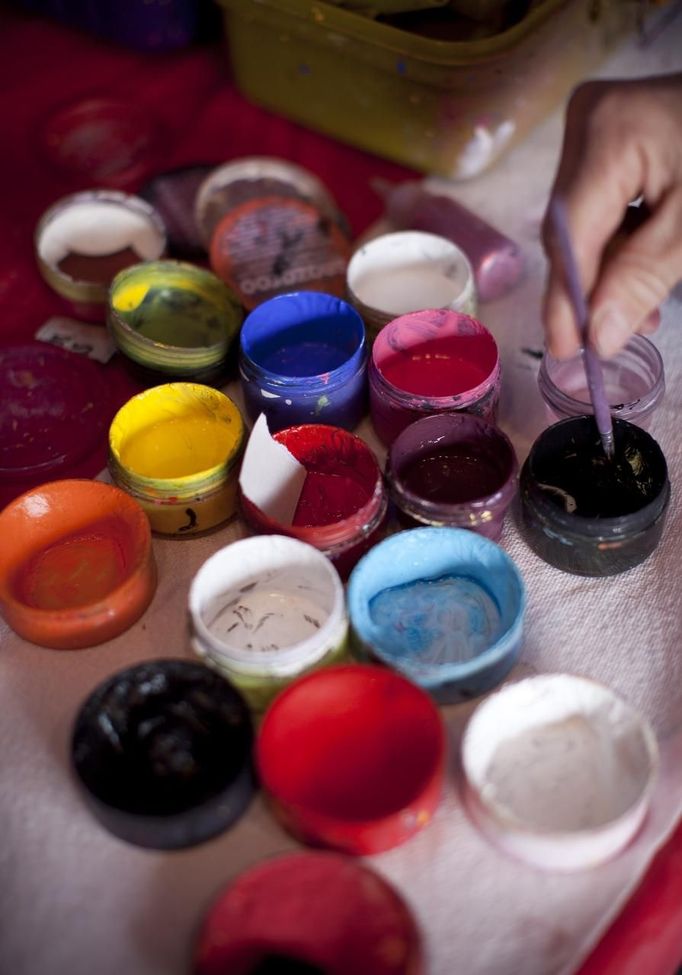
(637, 278)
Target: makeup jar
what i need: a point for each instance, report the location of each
(309, 913)
(343, 505)
(559, 771)
(634, 383)
(254, 177)
(85, 239)
(176, 450)
(431, 361)
(452, 469)
(162, 752)
(352, 758)
(408, 271)
(303, 360)
(76, 564)
(586, 514)
(443, 606)
(171, 319)
(265, 610)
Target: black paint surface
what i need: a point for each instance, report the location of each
(161, 738)
(277, 964)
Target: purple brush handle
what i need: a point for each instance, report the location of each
(595, 379)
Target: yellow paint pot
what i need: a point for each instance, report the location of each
(176, 449)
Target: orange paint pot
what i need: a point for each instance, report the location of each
(76, 563)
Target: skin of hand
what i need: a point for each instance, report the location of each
(622, 140)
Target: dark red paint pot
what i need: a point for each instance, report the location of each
(453, 469)
(309, 914)
(352, 758)
(343, 505)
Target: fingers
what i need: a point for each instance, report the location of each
(637, 278)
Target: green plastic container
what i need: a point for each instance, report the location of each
(445, 107)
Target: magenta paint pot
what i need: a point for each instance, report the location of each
(343, 505)
(453, 469)
(432, 361)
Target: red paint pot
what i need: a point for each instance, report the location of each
(352, 758)
(343, 505)
(432, 361)
(309, 914)
(76, 563)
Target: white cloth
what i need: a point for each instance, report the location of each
(75, 901)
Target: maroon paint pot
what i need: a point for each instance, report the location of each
(343, 505)
(432, 361)
(352, 758)
(453, 469)
(309, 914)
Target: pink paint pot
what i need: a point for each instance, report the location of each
(432, 361)
(342, 508)
(453, 469)
(352, 758)
(312, 914)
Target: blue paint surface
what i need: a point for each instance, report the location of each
(307, 358)
(436, 621)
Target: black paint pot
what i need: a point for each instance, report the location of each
(162, 751)
(589, 515)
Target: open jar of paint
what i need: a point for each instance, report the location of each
(303, 360)
(559, 771)
(162, 752)
(585, 513)
(634, 383)
(406, 271)
(83, 241)
(340, 505)
(309, 913)
(431, 361)
(453, 469)
(176, 449)
(444, 606)
(265, 610)
(173, 320)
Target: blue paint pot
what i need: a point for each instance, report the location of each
(303, 359)
(444, 606)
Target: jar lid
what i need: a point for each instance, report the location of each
(309, 913)
(56, 407)
(272, 245)
(103, 140)
(76, 563)
(162, 751)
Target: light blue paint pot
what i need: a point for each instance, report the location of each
(444, 606)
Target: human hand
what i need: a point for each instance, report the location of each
(622, 139)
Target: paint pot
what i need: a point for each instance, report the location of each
(54, 412)
(303, 360)
(342, 506)
(163, 754)
(453, 469)
(176, 449)
(633, 380)
(172, 319)
(173, 193)
(352, 758)
(432, 361)
(443, 606)
(407, 271)
(311, 913)
(585, 514)
(265, 610)
(83, 240)
(76, 564)
(251, 178)
(274, 245)
(558, 771)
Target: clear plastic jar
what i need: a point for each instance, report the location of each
(634, 382)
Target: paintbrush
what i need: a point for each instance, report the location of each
(595, 379)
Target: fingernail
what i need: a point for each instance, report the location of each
(610, 330)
